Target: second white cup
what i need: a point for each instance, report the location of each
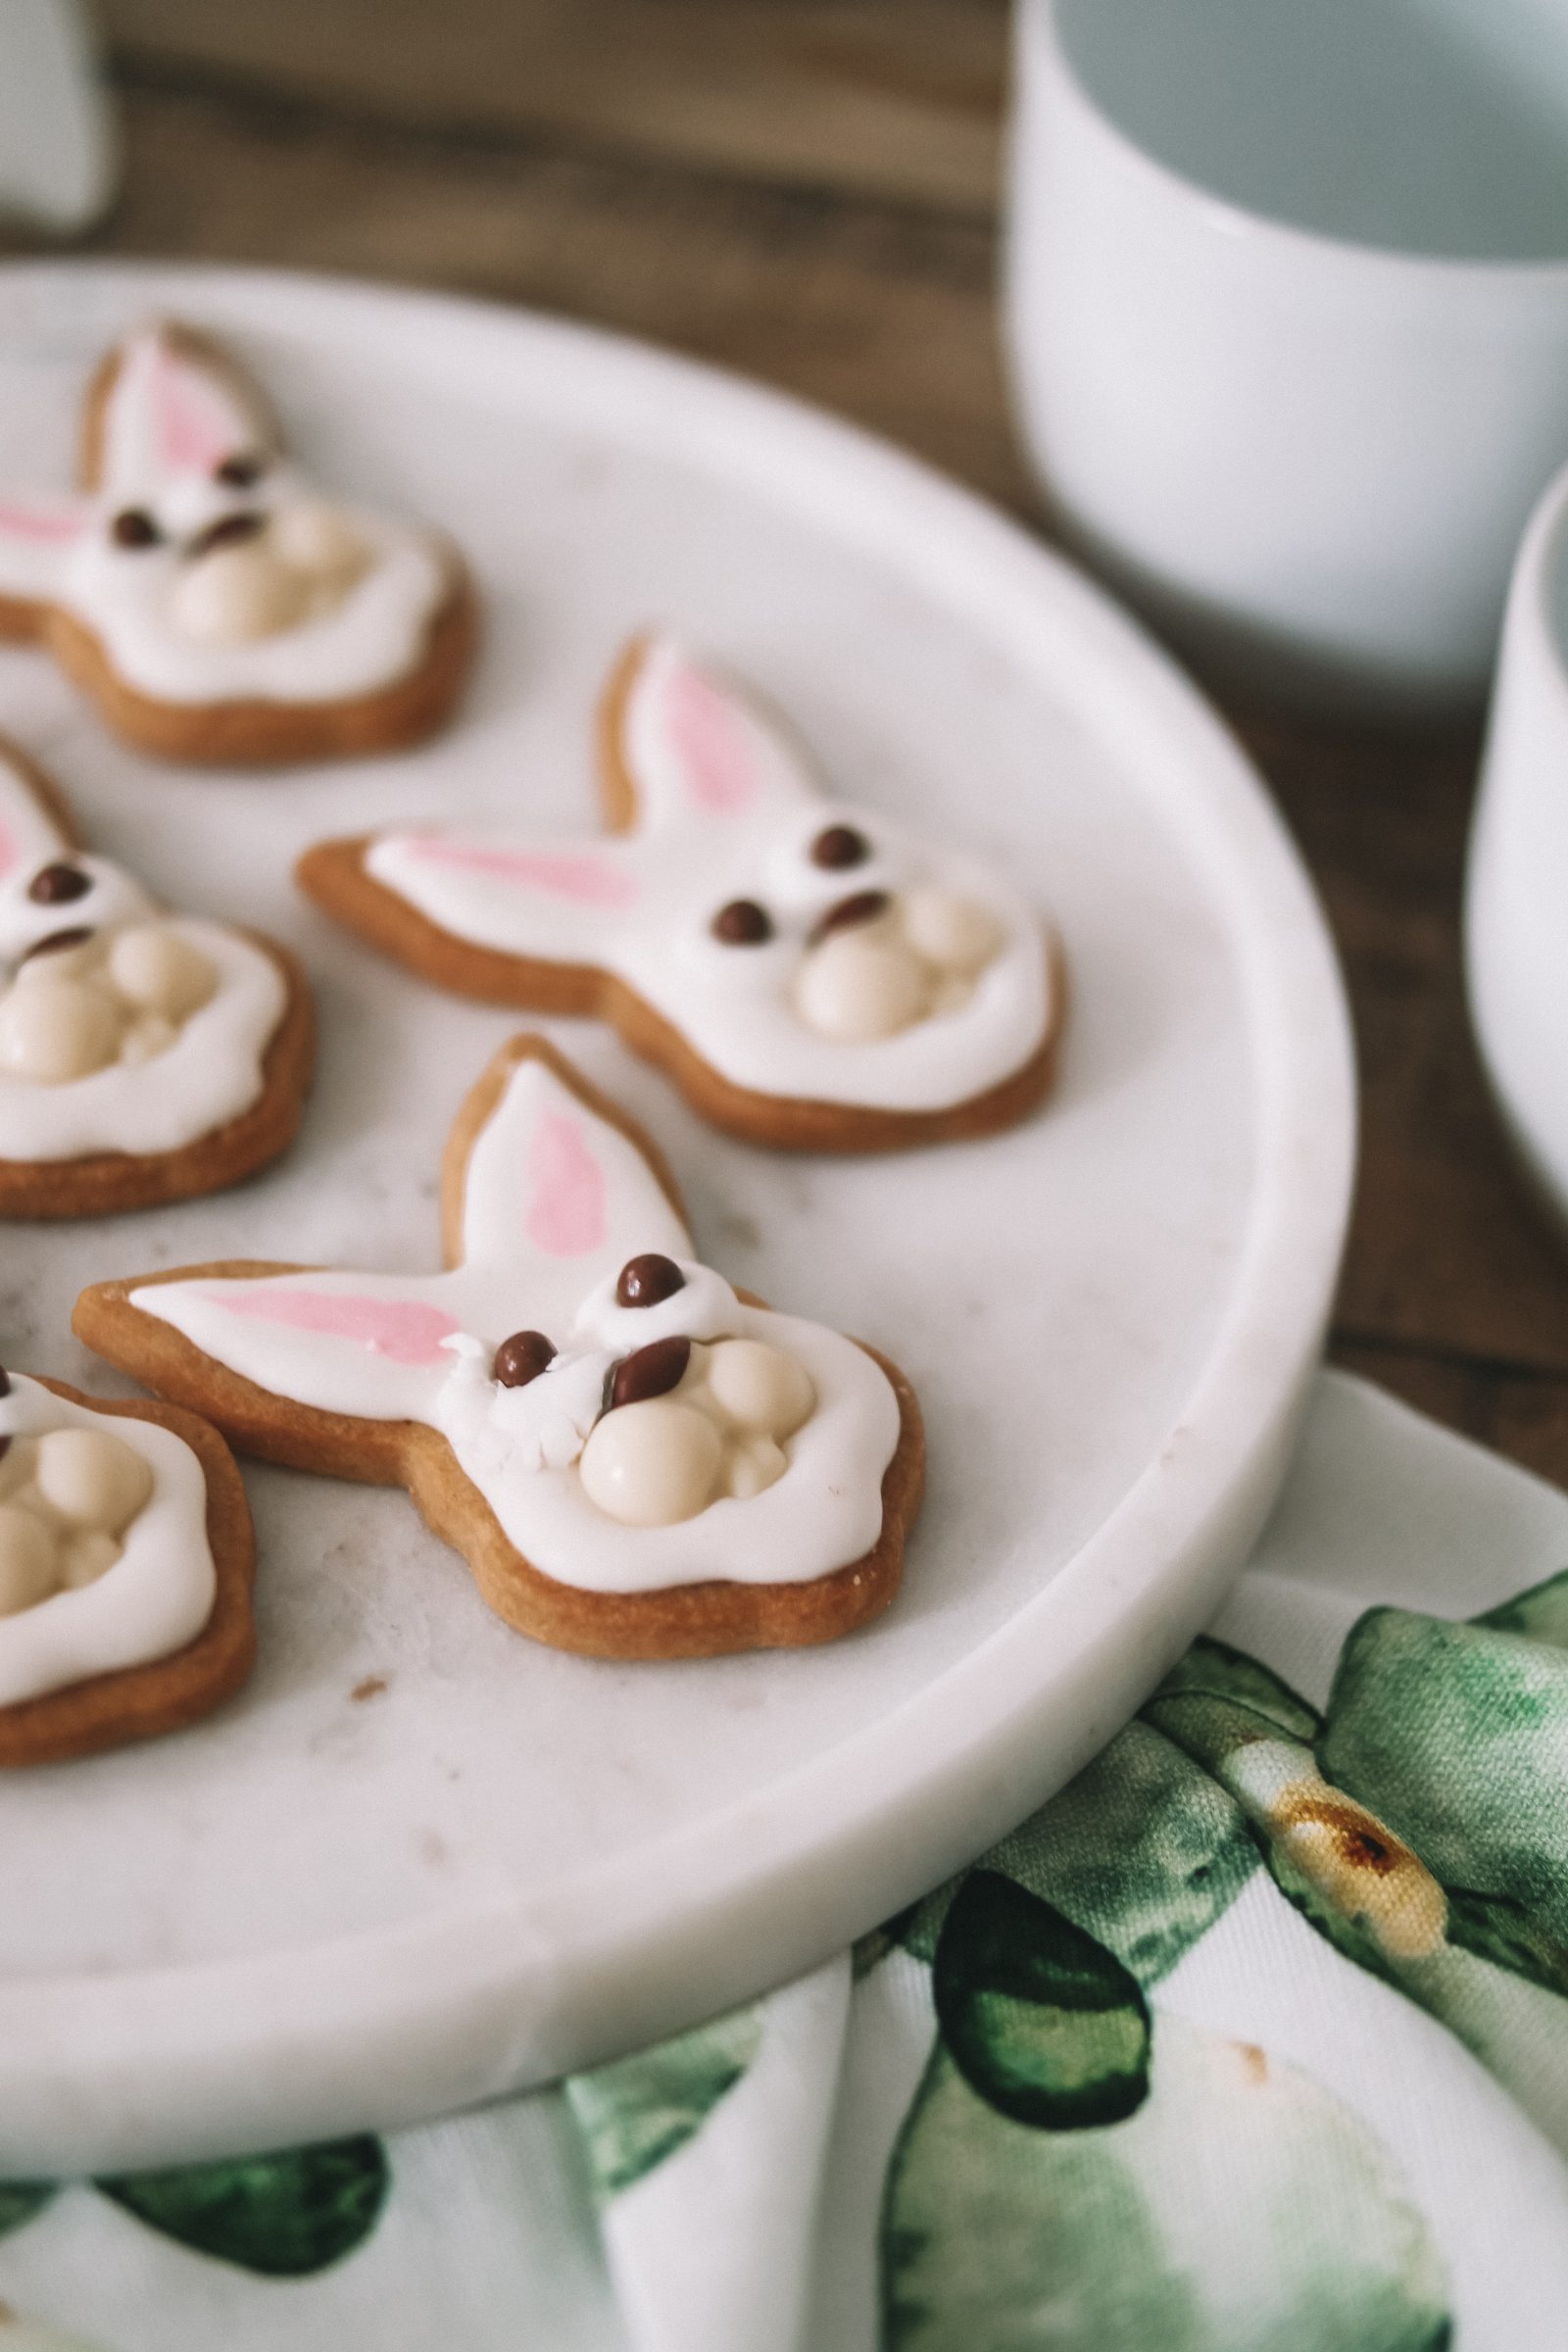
(1516, 884)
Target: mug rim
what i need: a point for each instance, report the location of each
(1225, 215)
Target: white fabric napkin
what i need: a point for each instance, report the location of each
(1256, 2036)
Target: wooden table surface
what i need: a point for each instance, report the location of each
(807, 191)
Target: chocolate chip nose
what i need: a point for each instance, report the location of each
(651, 1371)
(229, 530)
(54, 942)
(863, 907)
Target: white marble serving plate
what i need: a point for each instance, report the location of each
(420, 1860)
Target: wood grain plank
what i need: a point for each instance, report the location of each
(1518, 1413)
(1449, 1246)
(900, 98)
(881, 313)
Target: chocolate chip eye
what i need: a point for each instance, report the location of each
(651, 1371)
(646, 1280)
(840, 844)
(133, 527)
(54, 943)
(54, 885)
(5, 1381)
(242, 472)
(742, 924)
(521, 1358)
(863, 907)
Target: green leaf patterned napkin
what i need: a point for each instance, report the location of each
(1253, 2039)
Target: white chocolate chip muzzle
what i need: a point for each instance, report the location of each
(294, 565)
(908, 959)
(718, 1431)
(67, 1499)
(107, 997)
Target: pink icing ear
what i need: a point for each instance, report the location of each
(196, 426)
(36, 538)
(711, 742)
(405, 1330)
(565, 1215)
(563, 874)
(29, 835)
(42, 523)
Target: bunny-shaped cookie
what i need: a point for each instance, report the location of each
(144, 1057)
(126, 1560)
(211, 600)
(812, 975)
(636, 1462)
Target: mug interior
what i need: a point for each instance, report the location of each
(1427, 126)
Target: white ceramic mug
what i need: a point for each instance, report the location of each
(1288, 309)
(1517, 883)
(56, 148)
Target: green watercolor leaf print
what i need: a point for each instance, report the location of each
(1144, 1852)
(1539, 1614)
(1501, 1930)
(637, 2111)
(1044, 2023)
(1420, 1826)
(284, 2215)
(1212, 1710)
(20, 2200)
(1457, 1735)
(1241, 2209)
(1334, 1858)
(1213, 1670)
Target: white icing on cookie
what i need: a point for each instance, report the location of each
(814, 1519)
(150, 1600)
(938, 998)
(297, 600)
(172, 1062)
(557, 1202)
